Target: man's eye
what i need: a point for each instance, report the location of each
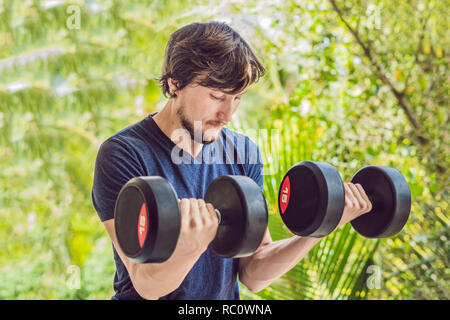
(222, 98)
(217, 98)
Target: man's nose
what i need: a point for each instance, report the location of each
(226, 111)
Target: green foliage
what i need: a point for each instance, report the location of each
(350, 83)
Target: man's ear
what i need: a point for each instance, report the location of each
(173, 86)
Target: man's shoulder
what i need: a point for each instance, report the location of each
(129, 134)
(128, 139)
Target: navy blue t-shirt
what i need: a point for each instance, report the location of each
(142, 149)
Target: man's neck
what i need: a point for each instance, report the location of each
(169, 123)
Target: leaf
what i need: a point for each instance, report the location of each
(416, 189)
(152, 92)
(79, 246)
(422, 82)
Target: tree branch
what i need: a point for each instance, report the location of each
(377, 67)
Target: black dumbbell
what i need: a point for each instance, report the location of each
(311, 200)
(147, 217)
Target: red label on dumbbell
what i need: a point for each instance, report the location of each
(142, 225)
(284, 194)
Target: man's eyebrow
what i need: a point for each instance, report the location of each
(228, 93)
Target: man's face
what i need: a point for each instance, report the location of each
(204, 111)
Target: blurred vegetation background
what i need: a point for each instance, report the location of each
(352, 83)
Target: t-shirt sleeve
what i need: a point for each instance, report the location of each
(115, 165)
(254, 163)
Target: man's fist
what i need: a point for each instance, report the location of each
(199, 225)
(356, 203)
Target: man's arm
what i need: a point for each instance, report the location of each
(154, 280)
(273, 259)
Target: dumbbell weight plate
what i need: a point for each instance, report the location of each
(244, 215)
(147, 219)
(311, 198)
(391, 201)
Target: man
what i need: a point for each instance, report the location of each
(208, 67)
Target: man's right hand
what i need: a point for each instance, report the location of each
(199, 225)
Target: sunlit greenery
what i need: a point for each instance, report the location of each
(352, 83)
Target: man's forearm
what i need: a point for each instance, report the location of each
(154, 280)
(273, 260)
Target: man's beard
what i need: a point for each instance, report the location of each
(197, 136)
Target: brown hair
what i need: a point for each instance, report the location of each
(211, 54)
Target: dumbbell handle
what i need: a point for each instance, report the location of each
(372, 198)
(219, 216)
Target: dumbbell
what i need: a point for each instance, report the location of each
(311, 200)
(147, 217)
